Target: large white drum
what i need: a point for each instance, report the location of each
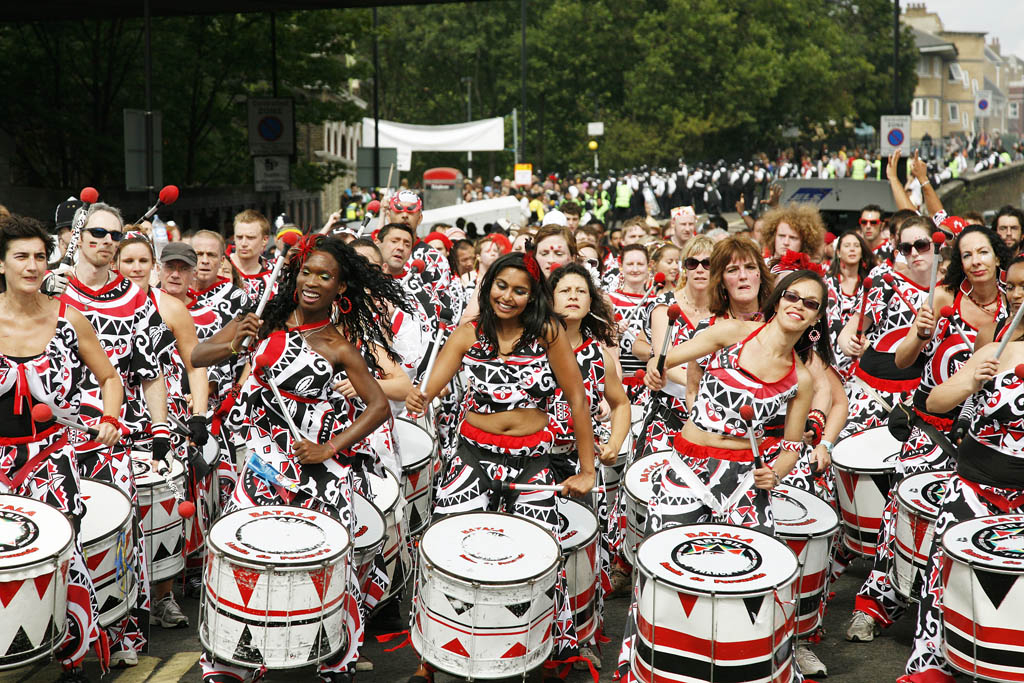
(107, 541)
(387, 497)
(918, 500)
(577, 535)
(485, 596)
(275, 587)
(865, 466)
(716, 603)
(416, 448)
(162, 526)
(369, 541)
(807, 524)
(639, 491)
(36, 545)
(982, 597)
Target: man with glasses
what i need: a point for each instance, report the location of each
(870, 227)
(119, 312)
(1008, 226)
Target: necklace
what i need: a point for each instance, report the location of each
(702, 312)
(311, 328)
(984, 307)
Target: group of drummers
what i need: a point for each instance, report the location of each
(713, 430)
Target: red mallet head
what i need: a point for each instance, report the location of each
(373, 207)
(186, 508)
(418, 265)
(938, 238)
(747, 412)
(41, 413)
(867, 282)
(659, 278)
(946, 312)
(674, 312)
(829, 238)
(89, 195)
(290, 239)
(889, 279)
(263, 360)
(1019, 371)
(169, 194)
(640, 374)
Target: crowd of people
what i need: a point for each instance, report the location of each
(545, 356)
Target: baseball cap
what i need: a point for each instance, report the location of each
(178, 251)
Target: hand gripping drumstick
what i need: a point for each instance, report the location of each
(863, 306)
(659, 280)
(88, 196)
(264, 361)
(890, 280)
(290, 239)
(44, 413)
(168, 195)
(937, 239)
(1009, 333)
(948, 312)
(673, 315)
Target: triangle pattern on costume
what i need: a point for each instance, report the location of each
(245, 651)
(456, 647)
(245, 581)
(753, 606)
(995, 585)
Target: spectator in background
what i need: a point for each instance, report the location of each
(1007, 224)
(795, 227)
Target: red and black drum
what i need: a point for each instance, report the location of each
(865, 466)
(918, 500)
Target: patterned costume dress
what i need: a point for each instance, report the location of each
(304, 378)
(37, 461)
(989, 481)
(522, 380)
(625, 304)
(119, 312)
(726, 387)
(841, 307)
(948, 350)
(255, 284)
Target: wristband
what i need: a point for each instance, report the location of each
(113, 421)
(232, 349)
(778, 480)
(827, 444)
(925, 338)
(790, 445)
(160, 429)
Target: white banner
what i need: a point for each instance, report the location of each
(484, 135)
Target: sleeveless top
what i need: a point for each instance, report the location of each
(496, 384)
(590, 357)
(726, 387)
(998, 421)
(891, 319)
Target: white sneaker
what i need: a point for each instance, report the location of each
(862, 628)
(122, 659)
(591, 656)
(808, 662)
(167, 614)
(364, 664)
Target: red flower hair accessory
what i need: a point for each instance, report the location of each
(532, 267)
(796, 260)
(306, 246)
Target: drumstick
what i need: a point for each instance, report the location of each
(674, 311)
(890, 280)
(186, 508)
(1009, 333)
(659, 280)
(289, 239)
(507, 486)
(747, 414)
(947, 312)
(264, 361)
(44, 413)
(937, 239)
(863, 306)
(88, 195)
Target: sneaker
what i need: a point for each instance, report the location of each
(808, 662)
(73, 675)
(862, 628)
(123, 659)
(588, 654)
(364, 664)
(167, 614)
(337, 676)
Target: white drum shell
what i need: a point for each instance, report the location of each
(162, 526)
(107, 541)
(417, 450)
(915, 530)
(865, 464)
(369, 538)
(386, 497)
(639, 491)
(578, 539)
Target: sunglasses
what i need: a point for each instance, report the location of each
(100, 233)
(792, 297)
(922, 245)
(692, 263)
(870, 221)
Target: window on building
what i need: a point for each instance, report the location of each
(954, 72)
(966, 120)
(974, 85)
(937, 110)
(1014, 110)
(920, 110)
(937, 67)
(954, 112)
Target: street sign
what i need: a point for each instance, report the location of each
(523, 175)
(271, 126)
(983, 104)
(364, 166)
(135, 150)
(595, 128)
(271, 174)
(895, 134)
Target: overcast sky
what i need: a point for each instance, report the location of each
(1000, 18)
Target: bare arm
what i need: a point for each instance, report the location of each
(179, 320)
(226, 342)
(899, 194)
(447, 363)
(966, 381)
(619, 402)
(796, 420)
(919, 169)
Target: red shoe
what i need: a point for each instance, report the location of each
(926, 676)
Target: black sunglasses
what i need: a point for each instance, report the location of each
(100, 233)
(922, 245)
(692, 263)
(792, 297)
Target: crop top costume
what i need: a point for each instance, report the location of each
(891, 320)
(726, 386)
(496, 385)
(992, 454)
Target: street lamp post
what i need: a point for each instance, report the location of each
(468, 80)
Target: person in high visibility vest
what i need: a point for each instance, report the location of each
(858, 168)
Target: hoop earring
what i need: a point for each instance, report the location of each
(344, 305)
(814, 335)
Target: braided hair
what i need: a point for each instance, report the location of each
(368, 288)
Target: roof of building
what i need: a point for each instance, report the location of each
(932, 44)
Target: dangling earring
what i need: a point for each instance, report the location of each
(814, 335)
(344, 305)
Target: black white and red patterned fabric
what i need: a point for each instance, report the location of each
(841, 307)
(523, 380)
(255, 284)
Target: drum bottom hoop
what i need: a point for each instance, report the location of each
(166, 570)
(110, 618)
(35, 654)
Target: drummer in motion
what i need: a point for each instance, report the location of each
(43, 346)
(516, 354)
(299, 350)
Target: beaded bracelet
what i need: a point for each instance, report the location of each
(113, 421)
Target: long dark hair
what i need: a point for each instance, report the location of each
(804, 345)
(955, 273)
(867, 258)
(597, 324)
(367, 290)
(537, 318)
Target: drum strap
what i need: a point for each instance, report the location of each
(937, 437)
(529, 466)
(33, 464)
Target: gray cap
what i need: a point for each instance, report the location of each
(178, 251)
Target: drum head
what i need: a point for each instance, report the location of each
(995, 543)
(385, 490)
(414, 443)
(640, 475)
(577, 525)
(280, 535)
(799, 514)
(924, 492)
(30, 531)
(145, 475)
(490, 547)
(873, 450)
(107, 510)
(717, 558)
(370, 525)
